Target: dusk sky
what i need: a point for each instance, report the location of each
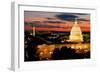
(56, 21)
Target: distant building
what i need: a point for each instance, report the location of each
(76, 34)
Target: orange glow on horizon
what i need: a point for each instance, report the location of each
(63, 27)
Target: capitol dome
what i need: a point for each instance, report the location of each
(76, 34)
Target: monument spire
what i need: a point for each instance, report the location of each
(33, 31)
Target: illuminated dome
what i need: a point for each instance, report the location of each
(76, 34)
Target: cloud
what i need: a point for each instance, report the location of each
(72, 16)
(67, 17)
(83, 19)
(82, 13)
